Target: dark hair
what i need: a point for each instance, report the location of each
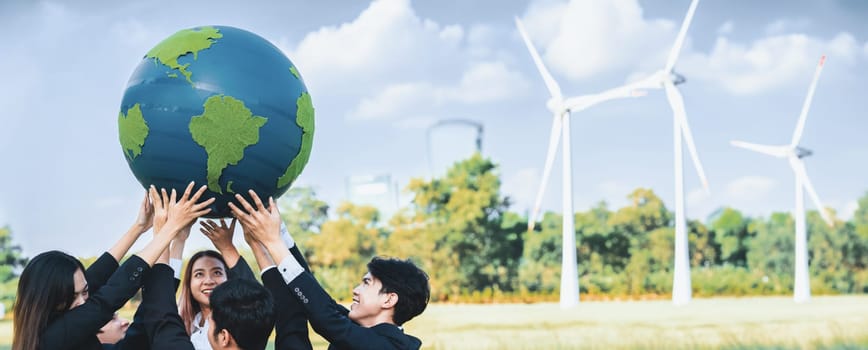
(245, 309)
(46, 290)
(187, 306)
(404, 278)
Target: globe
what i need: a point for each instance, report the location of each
(219, 106)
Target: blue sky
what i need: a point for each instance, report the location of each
(381, 72)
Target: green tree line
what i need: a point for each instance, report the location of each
(460, 229)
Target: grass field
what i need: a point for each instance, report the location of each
(719, 323)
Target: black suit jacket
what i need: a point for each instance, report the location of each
(329, 319)
(139, 335)
(291, 322)
(77, 328)
(159, 310)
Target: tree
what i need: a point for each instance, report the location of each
(466, 218)
(11, 257)
(303, 213)
(731, 233)
(12, 261)
(339, 253)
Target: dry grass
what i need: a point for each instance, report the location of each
(718, 323)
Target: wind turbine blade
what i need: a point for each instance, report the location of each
(775, 151)
(551, 84)
(679, 41)
(800, 127)
(579, 103)
(799, 168)
(554, 139)
(677, 103)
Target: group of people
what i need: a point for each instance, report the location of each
(62, 305)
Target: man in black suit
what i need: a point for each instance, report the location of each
(390, 294)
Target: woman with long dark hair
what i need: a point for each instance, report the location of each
(205, 271)
(56, 307)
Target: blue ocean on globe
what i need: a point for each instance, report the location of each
(219, 106)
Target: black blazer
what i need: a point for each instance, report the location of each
(139, 335)
(159, 310)
(291, 322)
(329, 319)
(77, 328)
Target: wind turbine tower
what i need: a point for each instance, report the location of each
(794, 155)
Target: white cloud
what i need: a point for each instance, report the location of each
(522, 187)
(483, 82)
(782, 26)
(750, 188)
(585, 38)
(768, 63)
(387, 40)
(697, 198)
(846, 213)
(726, 27)
(614, 190)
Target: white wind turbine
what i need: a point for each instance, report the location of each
(667, 79)
(561, 109)
(794, 154)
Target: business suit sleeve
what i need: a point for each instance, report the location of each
(98, 273)
(160, 311)
(330, 320)
(76, 326)
(291, 323)
(241, 270)
(296, 253)
(155, 305)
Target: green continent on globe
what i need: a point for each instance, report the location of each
(225, 129)
(304, 119)
(133, 130)
(181, 43)
(294, 72)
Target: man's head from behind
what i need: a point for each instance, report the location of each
(392, 286)
(242, 315)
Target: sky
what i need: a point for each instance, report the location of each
(381, 73)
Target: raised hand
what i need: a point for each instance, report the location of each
(261, 226)
(160, 203)
(220, 235)
(183, 211)
(260, 223)
(145, 219)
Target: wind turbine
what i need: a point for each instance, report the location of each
(667, 79)
(794, 154)
(561, 109)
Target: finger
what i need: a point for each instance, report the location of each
(202, 212)
(198, 193)
(204, 203)
(237, 212)
(205, 232)
(223, 223)
(240, 215)
(256, 200)
(164, 198)
(174, 198)
(245, 204)
(273, 207)
(232, 224)
(152, 192)
(188, 190)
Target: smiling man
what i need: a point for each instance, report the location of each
(391, 293)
